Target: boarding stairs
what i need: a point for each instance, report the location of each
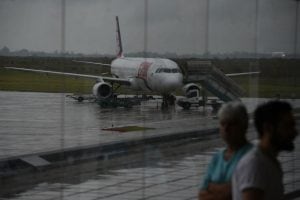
(213, 80)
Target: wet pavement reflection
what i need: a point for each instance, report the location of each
(172, 171)
(38, 122)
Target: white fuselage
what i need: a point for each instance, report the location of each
(149, 74)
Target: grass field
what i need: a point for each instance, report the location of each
(23, 81)
(270, 87)
(277, 77)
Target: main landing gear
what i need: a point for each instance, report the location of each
(168, 100)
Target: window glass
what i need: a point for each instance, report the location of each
(82, 117)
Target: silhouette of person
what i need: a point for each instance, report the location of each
(258, 174)
(233, 124)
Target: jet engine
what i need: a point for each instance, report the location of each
(189, 87)
(102, 90)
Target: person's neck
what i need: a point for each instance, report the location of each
(268, 149)
(232, 148)
(237, 146)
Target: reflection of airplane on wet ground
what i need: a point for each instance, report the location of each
(156, 75)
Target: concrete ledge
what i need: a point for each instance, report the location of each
(48, 160)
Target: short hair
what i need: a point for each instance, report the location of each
(234, 111)
(270, 112)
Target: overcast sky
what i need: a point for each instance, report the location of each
(177, 26)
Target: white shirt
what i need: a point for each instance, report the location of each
(257, 170)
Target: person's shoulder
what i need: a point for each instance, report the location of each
(218, 155)
(246, 148)
(251, 159)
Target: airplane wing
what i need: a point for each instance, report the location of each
(94, 63)
(242, 74)
(100, 78)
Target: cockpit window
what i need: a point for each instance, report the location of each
(175, 70)
(167, 70)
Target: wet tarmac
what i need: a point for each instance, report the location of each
(172, 172)
(38, 122)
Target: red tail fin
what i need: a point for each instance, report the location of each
(119, 40)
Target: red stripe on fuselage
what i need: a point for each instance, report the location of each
(143, 70)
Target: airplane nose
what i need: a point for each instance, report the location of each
(173, 82)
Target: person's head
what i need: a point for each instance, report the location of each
(233, 120)
(275, 122)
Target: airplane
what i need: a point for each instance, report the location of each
(157, 75)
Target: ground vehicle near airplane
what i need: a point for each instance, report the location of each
(193, 98)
